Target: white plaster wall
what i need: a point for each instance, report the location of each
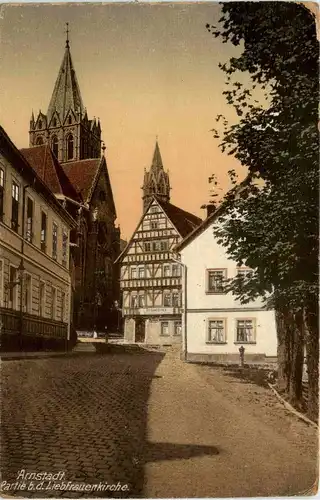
(199, 255)
(266, 339)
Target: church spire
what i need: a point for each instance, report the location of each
(156, 181)
(66, 93)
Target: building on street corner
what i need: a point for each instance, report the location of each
(35, 281)
(150, 279)
(215, 325)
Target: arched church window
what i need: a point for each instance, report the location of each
(55, 148)
(70, 147)
(39, 141)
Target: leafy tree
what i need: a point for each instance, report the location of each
(271, 225)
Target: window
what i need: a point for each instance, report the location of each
(141, 272)
(176, 299)
(1, 284)
(63, 300)
(64, 248)
(40, 124)
(13, 276)
(147, 246)
(54, 123)
(141, 301)
(69, 120)
(167, 299)
(154, 224)
(166, 270)
(164, 328)
(39, 140)
(102, 196)
(42, 291)
(15, 206)
(177, 328)
(164, 245)
(54, 240)
(133, 273)
(27, 299)
(245, 272)
(245, 330)
(134, 301)
(216, 331)
(153, 209)
(43, 236)
(1, 192)
(175, 270)
(70, 147)
(215, 280)
(29, 233)
(55, 145)
(53, 302)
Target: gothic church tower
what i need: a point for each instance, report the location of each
(66, 127)
(156, 181)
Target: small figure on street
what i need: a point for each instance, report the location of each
(95, 334)
(106, 333)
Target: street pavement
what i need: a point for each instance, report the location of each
(150, 423)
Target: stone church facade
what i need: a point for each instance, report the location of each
(67, 152)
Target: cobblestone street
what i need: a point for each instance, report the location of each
(145, 419)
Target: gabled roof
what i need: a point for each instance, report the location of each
(21, 164)
(44, 162)
(84, 175)
(183, 221)
(66, 93)
(212, 217)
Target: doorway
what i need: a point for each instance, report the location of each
(140, 333)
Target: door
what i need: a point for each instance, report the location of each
(140, 330)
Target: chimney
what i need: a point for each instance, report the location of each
(210, 209)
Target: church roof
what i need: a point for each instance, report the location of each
(66, 93)
(44, 162)
(82, 174)
(31, 175)
(184, 222)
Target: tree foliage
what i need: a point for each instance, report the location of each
(272, 224)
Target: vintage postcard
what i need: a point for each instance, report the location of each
(159, 249)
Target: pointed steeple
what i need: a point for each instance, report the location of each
(66, 93)
(157, 160)
(156, 181)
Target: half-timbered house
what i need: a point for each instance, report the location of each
(150, 279)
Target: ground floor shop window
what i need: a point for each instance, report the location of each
(165, 328)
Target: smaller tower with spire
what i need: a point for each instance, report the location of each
(156, 181)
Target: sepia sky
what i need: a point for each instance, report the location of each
(145, 70)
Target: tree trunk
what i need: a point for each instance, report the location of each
(283, 351)
(312, 348)
(295, 326)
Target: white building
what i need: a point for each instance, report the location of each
(35, 281)
(214, 324)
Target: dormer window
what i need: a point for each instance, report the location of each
(69, 120)
(54, 122)
(39, 141)
(40, 124)
(70, 147)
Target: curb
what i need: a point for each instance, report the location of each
(290, 408)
